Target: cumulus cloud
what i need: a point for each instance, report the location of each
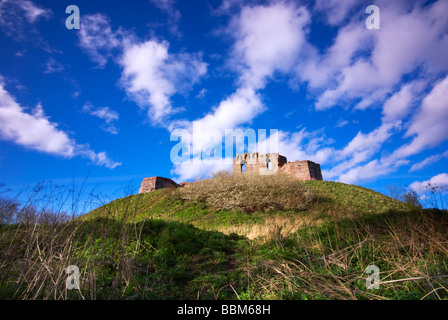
(199, 168)
(239, 108)
(36, 132)
(428, 127)
(439, 181)
(368, 64)
(267, 40)
(105, 113)
(99, 40)
(357, 163)
(399, 105)
(371, 170)
(392, 69)
(151, 75)
(364, 68)
(361, 65)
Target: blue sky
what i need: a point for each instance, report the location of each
(99, 103)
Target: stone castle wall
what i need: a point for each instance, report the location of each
(303, 170)
(256, 163)
(155, 183)
(274, 162)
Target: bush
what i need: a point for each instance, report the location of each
(250, 193)
(8, 210)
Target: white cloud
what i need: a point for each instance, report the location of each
(429, 125)
(33, 131)
(98, 39)
(370, 170)
(28, 8)
(323, 70)
(439, 181)
(18, 16)
(360, 150)
(202, 93)
(428, 161)
(53, 66)
(267, 39)
(32, 12)
(199, 169)
(165, 5)
(239, 108)
(301, 145)
(398, 106)
(97, 158)
(104, 113)
(173, 14)
(368, 64)
(341, 123)
(226, 6)
(360, 69)
(151, 75)
(364, 68)
(335, 11)
(36, 132)
(371, 142)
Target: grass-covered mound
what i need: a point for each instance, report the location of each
(187, 244)
(250, 193)
(287, 203)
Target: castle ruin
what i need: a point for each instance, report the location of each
(271, 163)
(155, 183)
(255, 163)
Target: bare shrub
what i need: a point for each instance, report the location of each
(8, 210)
(250, 192)
(405, 194)
(222, 174)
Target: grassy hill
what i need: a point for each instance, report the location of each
(330, 199)
(236, 238)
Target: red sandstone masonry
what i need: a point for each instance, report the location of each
(303, 170)
(155, 183)
(254, 163)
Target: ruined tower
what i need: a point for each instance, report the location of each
(266, 164)
(155, 183)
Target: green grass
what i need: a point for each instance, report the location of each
(332, 198)
(171, 245)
